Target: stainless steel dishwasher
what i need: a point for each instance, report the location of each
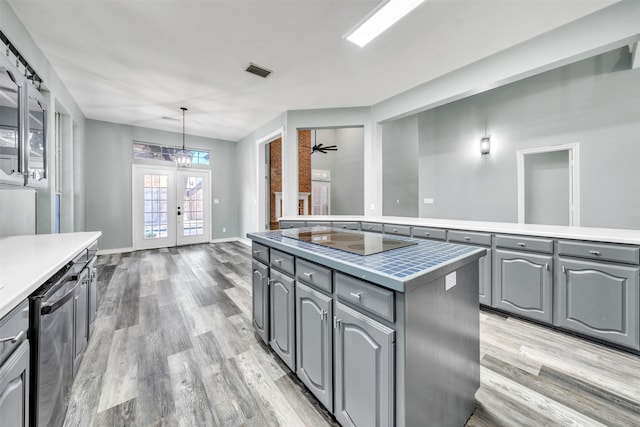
(52, 348)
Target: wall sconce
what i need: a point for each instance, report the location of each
(485, 145)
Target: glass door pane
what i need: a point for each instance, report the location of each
(154, 207)
(193, 207)
(10, 136)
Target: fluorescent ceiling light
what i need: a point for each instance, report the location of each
(381, 18)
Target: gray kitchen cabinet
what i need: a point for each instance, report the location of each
(484, 285)
(522, 284)
(14, 367)
(314, 342)
(282, 301)
(14, 388)
(598, 299)
(485, 290)
(260, 300)
(291, 224)
(364, 370)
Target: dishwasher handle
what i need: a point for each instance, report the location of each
(51, 307)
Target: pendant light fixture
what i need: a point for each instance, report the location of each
(183, 157)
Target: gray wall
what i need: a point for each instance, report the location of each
(346, 166)
(595, 102)
(109, 160)
(400, 167)
(57, 97)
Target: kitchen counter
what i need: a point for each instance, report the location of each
(397, 269)
(610, 235)
(26, 262)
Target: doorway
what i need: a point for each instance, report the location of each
(170, 207)
(548, 185)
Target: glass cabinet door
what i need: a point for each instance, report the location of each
(37, 140)
(11, 165)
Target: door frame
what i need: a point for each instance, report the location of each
(173, 175)
(261, 143)
(574, 179)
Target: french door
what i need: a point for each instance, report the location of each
(170, 207)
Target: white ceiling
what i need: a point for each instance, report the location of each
(134, 61)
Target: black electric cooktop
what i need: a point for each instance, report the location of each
(356, 243)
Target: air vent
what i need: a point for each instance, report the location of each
(258, 71)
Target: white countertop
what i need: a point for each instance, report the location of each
(610, 235)
(26, 262)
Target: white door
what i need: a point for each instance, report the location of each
(170, 207)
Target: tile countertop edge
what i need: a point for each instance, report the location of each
(26, 262)
(605, 235)
(379, 278)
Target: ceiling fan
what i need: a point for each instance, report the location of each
(320, 148)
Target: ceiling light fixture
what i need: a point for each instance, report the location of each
(485, 145)
(183, 157)
(384, 15)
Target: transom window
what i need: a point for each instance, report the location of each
(148, 151)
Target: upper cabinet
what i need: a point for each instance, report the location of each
(11, 129)
(23, 129)
(36, 153)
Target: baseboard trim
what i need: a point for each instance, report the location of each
(114, 251)
(224, 239)
(244, 241)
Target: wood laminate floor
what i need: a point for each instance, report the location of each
(173, 345)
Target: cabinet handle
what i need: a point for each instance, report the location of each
(596, 253)
(564, 270)
(395, 230)
(467, 238)
(370, 227)
(336, 323)
(546, 266)
(279, 261)
(323, 314)
(15, 339)
(257, 252)
(344, 226)
(308, 275)
(356, 295)
(521, 244)
(426, 233)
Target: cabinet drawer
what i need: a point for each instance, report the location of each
(291, 224)
(282, 261)
(318, 223)
(470, 237)
(260, 252)
(371, 226)
(366, 296)
(400, 230)
(14, 325)
(525, 243)
(429, 233)
(314, 275)
(608, 252)
(347, 225)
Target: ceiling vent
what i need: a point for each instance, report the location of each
(258, 71)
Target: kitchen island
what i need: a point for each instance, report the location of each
(388, 339)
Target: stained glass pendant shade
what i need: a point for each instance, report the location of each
(183, 157)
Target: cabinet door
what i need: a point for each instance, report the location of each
(522, 284)
(260, 298)
(14, 388)
(364, 370)
(314, 345)
(598, 299)
(485, 278)
(282, 319)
